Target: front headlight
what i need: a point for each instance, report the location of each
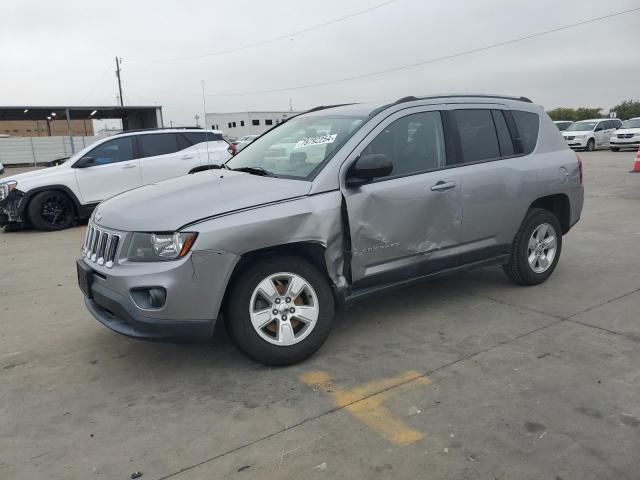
(7, 188)
(580, 137)
(154, 247)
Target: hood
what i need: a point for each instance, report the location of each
(168, 205)
(24, 178)
(577, 132)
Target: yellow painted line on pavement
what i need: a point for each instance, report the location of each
(366, 404)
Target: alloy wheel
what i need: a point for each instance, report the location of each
(284, 309)
(542, 248)
(54, 210)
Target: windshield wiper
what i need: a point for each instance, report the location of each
(255, 171)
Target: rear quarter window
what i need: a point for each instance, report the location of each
(528, 125)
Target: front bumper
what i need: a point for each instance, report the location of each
(577, 142)
(194, 285)
(624, 143)
(111, 309)
(11, 208)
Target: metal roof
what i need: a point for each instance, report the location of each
(30, 112)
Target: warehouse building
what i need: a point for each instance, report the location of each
(238, 124)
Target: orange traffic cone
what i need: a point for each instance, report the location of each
(636, 165)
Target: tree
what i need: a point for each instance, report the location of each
(562, 113)
(574, 114)
(583, 113)
(627, 109)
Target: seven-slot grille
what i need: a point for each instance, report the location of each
(100, 246)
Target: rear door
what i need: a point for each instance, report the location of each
(398, 223)
(211, 147)
(164, 155)
(493, 175)
(116, 170)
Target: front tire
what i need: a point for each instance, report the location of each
(51, 210)
(591, 145)
(280, 310)
(536, 249)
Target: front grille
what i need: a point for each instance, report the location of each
(100, 246)
(570, 138)
(626, 135)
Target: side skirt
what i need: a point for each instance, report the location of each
(358, 294)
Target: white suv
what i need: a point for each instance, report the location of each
(52, 198)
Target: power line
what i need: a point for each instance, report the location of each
(270, 40)
(410, 65)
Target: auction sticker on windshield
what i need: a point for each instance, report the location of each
(321, 140)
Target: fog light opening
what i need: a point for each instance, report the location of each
(149, 298)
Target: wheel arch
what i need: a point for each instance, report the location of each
(312, 251)
(28, 197)
(558, 204)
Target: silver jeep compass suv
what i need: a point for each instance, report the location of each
(333, 204)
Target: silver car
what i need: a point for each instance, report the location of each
(378, 196)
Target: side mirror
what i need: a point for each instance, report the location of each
(85, 162)
(599, 129)
(367, 167)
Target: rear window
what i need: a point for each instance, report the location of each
(200, 137)
(478, 137)
(528, 124)
(158, 144)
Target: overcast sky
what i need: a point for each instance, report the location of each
(62, 53)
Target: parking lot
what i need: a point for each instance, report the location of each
(468, 376)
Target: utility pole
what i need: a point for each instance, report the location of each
(197, 117)
(118, 62)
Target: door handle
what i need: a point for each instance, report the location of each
(128, 166)
(186, 157)
(441, 186)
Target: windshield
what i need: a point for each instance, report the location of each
(582, 127)
(298, 147)
(633, 123)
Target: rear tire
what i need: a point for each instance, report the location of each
(591, 145)
(536, 249)
(291, 304)
(51, 210)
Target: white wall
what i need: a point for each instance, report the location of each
(37, 150)
(222, 120)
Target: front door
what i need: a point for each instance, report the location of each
(115, 170)
(398, 221)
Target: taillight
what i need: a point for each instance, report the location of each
(232, 149)
(579, 167)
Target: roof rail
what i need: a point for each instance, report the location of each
(476, 95)
(412, 98)
(156, 128)
(324, 107)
